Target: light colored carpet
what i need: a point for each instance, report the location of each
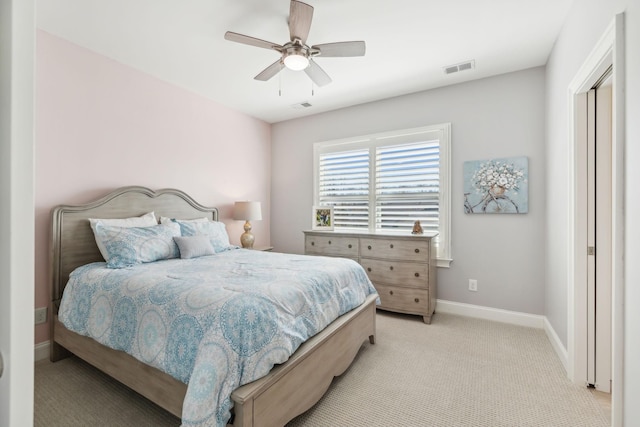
(457, 371)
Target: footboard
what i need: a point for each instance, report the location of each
(286, 392)
(162, 389)
(294, 387)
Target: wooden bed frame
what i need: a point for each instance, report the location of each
(287, 391)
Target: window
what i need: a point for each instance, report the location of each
(386, 182)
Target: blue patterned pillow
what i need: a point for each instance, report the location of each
(214, 230)
(146, 220)
(128, 246)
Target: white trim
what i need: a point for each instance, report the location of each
(450, 307)
(556, 343)
(506, 316)
(444, 262)
(41, 351)
(442, 132)
(618, 232)
(444, 250)
(489, 313)
(609, 50)
(594, 66)
(17, 185)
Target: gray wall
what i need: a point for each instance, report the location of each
(494, 117)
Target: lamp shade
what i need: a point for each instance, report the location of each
(247, 211)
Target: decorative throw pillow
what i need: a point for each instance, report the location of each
(128, 246)
(216, 231)
(146, 220)
(194, 246)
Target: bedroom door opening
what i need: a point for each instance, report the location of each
(599, 230)
(608, 52)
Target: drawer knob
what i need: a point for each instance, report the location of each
(417, 300)
(329, 241)
(369, 269)
(391, 246)
(417, 251)
(349, 245)
(313, 243)
(391, 268)
(417, 274)
(390, 292)
(369, 247)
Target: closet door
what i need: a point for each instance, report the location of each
(599, 219)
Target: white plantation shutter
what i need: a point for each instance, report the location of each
(344, 184)
(408, 186)
(386, 182)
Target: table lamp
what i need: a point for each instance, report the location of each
(247, 211)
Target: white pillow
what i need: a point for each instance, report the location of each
(165, 219)
(146, 220)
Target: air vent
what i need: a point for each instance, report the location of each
(301, 105)
(468, 65)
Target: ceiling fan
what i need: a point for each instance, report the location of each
(296, 54)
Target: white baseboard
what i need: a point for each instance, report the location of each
(488, 313)
(557, 345)
(506, 316)
(41, 351)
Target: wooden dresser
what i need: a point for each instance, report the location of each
(402, 267)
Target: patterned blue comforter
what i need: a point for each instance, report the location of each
(216, 322)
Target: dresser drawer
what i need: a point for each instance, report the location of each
(331, 245)
(405, 300)
(401, 266)
(412, 274)
(409, 250)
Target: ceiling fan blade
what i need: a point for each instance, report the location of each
(317, 74)
(251, 41)
(270, 71)
(300, 16)
(341, 49)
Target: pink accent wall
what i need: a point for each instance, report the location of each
(102, 125)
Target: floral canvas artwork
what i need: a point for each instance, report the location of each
(496, 186)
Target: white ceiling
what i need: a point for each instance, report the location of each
(408, 44)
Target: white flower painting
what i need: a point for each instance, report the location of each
(496, 186)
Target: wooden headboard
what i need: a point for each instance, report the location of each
(72, 241)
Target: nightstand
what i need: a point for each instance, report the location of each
(263, 248)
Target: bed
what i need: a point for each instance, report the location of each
(287, 390)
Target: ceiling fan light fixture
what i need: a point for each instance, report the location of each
(296, 61)
(296, 54)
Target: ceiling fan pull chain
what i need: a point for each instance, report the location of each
(279, 84)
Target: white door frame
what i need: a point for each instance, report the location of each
(608, 51)
(17, 59)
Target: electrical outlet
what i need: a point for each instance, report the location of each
(41, 315)
(473, 285)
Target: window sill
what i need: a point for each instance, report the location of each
(444, 262)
